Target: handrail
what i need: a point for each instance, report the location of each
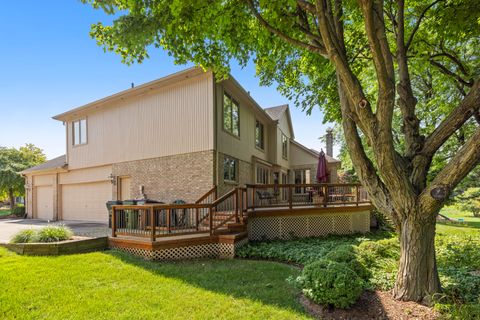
(207, 194)
(303, 185)
(225, 196)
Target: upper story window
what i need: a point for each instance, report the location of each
(230, 169)
(284, 146)
(259, 135)
(231, 115)
(79, 132)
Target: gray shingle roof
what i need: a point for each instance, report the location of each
(276, 112)
(55, 163)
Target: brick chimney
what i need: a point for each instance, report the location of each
(329, 141)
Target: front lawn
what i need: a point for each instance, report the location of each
(113, 285)
(4, 212)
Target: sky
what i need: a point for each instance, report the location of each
(49, 64)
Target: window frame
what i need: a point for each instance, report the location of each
(262, 141)
(235, 169)
(233, 103)
(80, 134)
(284, 146)
(266, 173)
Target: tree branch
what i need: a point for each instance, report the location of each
(419, 21)
(448, 72)
(468, 107)
(464, 161)
(298, 43)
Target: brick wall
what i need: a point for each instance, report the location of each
(184, 176)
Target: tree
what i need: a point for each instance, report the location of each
(12, 162)
(359, 61)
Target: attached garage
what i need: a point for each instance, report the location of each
(44, 202)
(86, 201)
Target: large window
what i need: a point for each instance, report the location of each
(230, 169)
(302, 176)
(231, 115)
(259, 135)
(80, 132)
(284, 146)
(263, 175)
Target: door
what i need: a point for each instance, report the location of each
(124, 188)
(86, 201)
(44, 208)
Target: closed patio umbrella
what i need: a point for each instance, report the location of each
(322, 174)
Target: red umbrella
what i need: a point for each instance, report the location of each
(322, 174)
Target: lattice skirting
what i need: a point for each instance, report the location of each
(266, 228)
(211, 250)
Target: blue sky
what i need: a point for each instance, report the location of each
(49, 64)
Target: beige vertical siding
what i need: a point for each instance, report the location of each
(86, 175)
(44, 203)
(172, 120)
(242, 147)
(284, 128)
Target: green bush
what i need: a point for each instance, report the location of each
(54, 233)
(331, 283)
(19, 210)
(25, 236)
(351, 260)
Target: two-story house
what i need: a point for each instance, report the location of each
(172, 138)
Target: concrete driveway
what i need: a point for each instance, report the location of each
(8, 227)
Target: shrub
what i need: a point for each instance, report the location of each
(25, 236)
(19, 211)
(331, 283)
(54, 233)
(351, 260)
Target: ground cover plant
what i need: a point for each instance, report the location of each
(457, 250)
(51, 233)
(114, 285)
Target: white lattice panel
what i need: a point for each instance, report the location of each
(210, 250)
(145, 254)
(320, 226)
(294, 227)
(267, 228)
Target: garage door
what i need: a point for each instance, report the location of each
(86, 201)
(44, 209)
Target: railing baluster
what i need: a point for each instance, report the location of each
(290, 197)
(152, 222)
(113, 222)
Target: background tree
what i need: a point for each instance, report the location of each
(359, 61)
(12, 162)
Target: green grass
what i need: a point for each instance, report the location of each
(4, 212)
(455, 213)
(113, 285)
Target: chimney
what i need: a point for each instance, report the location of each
(329, 141)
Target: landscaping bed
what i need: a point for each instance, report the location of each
(458, 256)
(74, 245)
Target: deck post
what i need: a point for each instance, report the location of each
(325, 199)
(210, 217)
(168, 220)
(237, 205)
(358, 193)
(253, 198)
(152, 222)
(290, 197)
(114, 222)
(196, 217)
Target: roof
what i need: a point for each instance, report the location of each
(276, 112)
(138, 90)
(55, 163)
(315, 152)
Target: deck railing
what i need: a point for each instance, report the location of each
(211, 215)
(304, 195)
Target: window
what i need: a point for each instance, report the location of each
(284, 146)
(259, 135)
(80, 132)
(263, 175)
(230, 169)
(231, 115)
(301, 177)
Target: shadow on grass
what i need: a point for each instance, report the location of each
(261, 281)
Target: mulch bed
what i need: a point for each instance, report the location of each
(373, 305)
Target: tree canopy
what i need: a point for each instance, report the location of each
(12, 162)
(400, 76)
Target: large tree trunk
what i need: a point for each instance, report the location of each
(12, 199)
(417, 276)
